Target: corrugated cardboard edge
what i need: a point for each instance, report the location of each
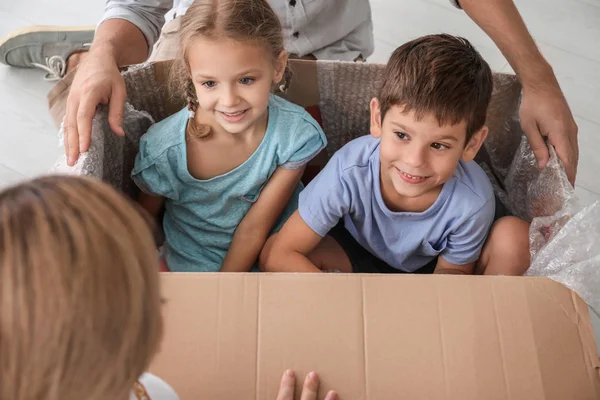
(586, 332)
(580, 316)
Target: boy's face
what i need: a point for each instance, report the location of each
(417, 157)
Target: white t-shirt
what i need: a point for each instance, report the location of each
(153, 388)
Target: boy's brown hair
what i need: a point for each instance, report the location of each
(80, 308)
(439, 74)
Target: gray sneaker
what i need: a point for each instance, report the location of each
(45, 47)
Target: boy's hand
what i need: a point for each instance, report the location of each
(309, 391)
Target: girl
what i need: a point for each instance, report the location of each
(80, 308)
(227, 167)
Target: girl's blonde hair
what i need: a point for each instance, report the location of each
(242, 20)
(80, 308)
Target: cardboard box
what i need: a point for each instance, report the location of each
(370, 337)
(231, 336)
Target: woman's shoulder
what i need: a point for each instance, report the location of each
(151, 387)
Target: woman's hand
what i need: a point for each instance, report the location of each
(309, 390)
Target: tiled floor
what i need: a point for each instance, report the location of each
(566, 31)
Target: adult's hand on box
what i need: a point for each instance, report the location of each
(545, 113)
(97, 81)
(309, 390)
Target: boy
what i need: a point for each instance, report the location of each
(409, 197)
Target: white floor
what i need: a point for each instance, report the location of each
(566, 31)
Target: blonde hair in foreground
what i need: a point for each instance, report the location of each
(79, 292)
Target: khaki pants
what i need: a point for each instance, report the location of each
(165, 49)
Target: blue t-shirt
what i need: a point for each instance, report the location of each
(201, 215)
(455, 226)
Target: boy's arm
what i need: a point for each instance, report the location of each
(252, 232)
(290, 248)
(445, 267)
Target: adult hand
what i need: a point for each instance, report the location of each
(545, 113)
(309, 390)
(97, 81)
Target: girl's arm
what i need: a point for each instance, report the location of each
(152, 204)
(251, 234)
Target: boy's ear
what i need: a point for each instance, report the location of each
(280, 65)
(474, 144)
(375, 118)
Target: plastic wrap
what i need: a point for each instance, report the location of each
(532, 192)
(564, 237)
(566, 248)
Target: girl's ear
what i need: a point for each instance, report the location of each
(280, 65)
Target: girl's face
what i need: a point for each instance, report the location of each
(233, 81)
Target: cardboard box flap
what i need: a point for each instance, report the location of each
(377, 337)
(575, 309)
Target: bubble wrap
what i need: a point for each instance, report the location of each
(531, 192)
(564, 237)
(562, 233)
(566, 248)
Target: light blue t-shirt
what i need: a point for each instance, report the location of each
(201, 215)
(455, 226)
